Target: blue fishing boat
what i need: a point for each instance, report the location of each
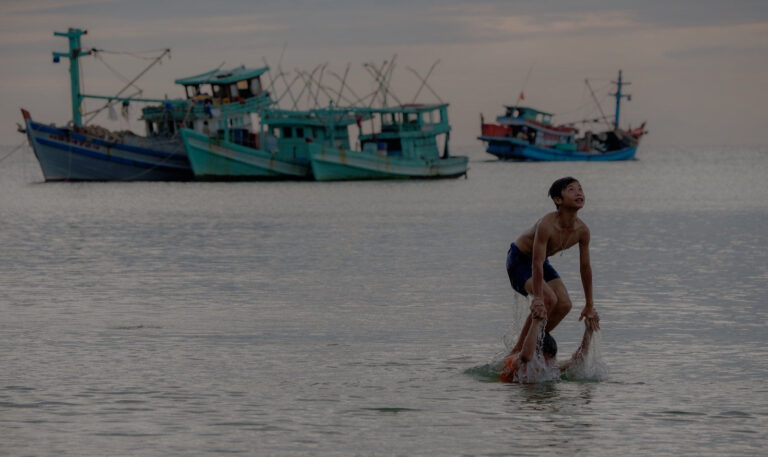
(277, 149)
(525, 133)
(79, 152)
(401, 144)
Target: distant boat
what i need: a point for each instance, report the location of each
(402, 144)
(78, 152)
(525, 133)
(278, 148)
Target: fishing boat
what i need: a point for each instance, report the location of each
(81, 152)
(401, 144)
(278, 148)
(525, 133)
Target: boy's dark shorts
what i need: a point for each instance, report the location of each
(519, 269)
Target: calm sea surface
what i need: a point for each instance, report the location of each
(340, 319)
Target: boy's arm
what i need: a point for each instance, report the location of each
(529, 344)
(593, 319)
(539, 255)
(579, 354)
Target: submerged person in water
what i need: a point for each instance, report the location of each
(529, 269)
(519, 365)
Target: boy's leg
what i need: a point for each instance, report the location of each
(562, 305)
(550, 301)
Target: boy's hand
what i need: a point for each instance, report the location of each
(538, 309)
(592, 318)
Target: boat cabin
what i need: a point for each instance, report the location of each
(165, 119)
(526, 113)
(289, 133)
(407, 130)
(224, 86)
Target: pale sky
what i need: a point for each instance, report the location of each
(699, 69)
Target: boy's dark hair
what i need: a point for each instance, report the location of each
(556, 189)
(549, 345)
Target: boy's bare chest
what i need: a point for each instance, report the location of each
(561, 240)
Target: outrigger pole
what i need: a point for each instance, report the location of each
(130, 83)
(597, 102)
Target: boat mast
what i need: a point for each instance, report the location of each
(74, 69)
(619, 96)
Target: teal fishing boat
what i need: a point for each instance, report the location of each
(279, 149)
(402, 143)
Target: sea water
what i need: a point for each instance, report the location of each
(327, 319)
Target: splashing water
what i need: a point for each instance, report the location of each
(538, 369)
(590, 367)
(520, 311)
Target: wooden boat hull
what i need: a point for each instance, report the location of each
(65, 155)
(513, 149)
(334, 164)
(223, 160)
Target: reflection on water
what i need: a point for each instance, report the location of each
(346, 319)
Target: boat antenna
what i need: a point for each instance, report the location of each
(319, 84)
(424, 82)
(307, 86)
(343, 83)
(525, 83)
(383, 76)
(288, 89)
(603, 116)
(282, 75)
(320, 87)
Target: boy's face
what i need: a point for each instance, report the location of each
(573, 196)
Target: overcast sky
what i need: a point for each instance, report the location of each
(699, 69)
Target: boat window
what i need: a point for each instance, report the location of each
(217, 91)
(192, 91)
(242, 89)
(299, 132)
(287, 133)
(255, 86)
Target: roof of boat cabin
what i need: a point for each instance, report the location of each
(527, 109)
(406, 108)
(223, 76)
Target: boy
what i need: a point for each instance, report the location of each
(530, 272)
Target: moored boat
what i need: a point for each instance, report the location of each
(80, 152)
(402, 144)
(277, 149)
(525, 133)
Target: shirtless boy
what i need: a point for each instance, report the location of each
(530, 272)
